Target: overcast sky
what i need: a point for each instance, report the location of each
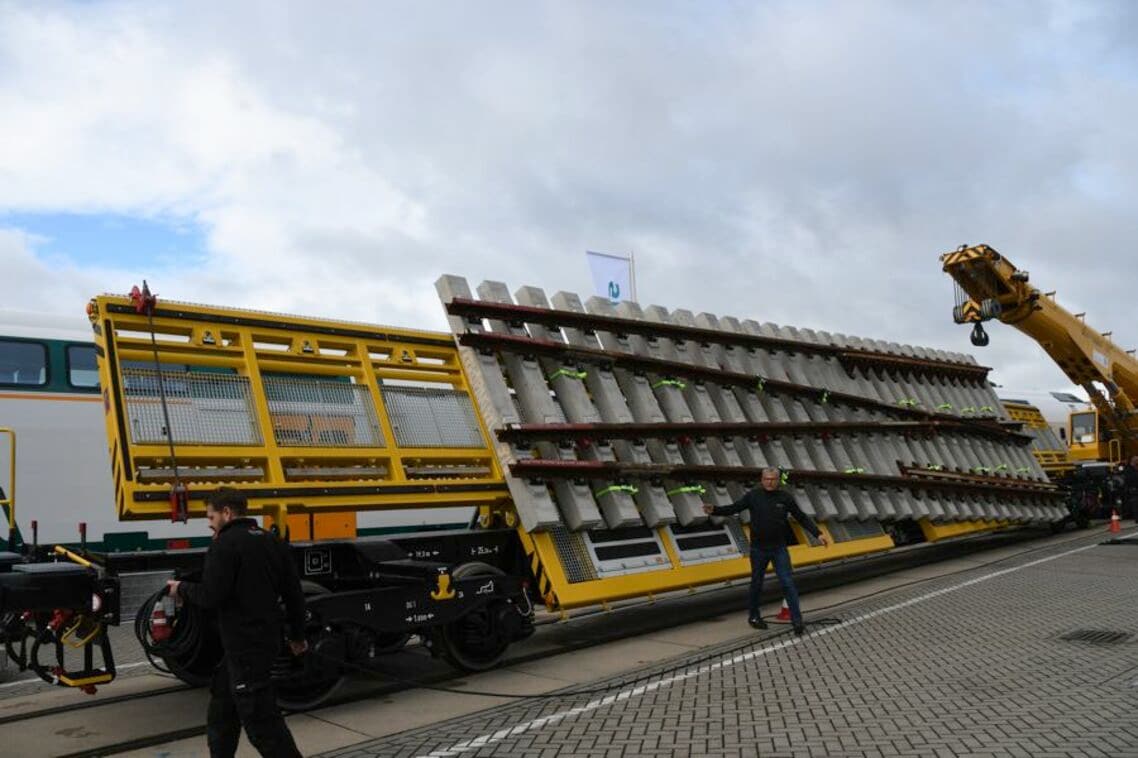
(800, 162)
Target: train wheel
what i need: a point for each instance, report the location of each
(478, 640)
(307, 681)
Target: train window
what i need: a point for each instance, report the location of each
(23, 363)
(81, 368)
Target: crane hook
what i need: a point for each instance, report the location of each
(979, 336)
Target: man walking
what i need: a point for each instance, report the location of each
(247, 572)
(770, 507)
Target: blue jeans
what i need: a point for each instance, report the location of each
(780, 556)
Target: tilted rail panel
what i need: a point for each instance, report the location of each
(673, 410)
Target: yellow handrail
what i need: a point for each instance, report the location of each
(61, 550)
(1114, 449)
(10, 500)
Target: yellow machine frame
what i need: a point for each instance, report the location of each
(558, 592)
(321, 486)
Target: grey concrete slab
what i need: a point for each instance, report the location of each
(604, 391)
(84, 730)
(313, 735)
(637, 393)
(528, 379)
(534, 506)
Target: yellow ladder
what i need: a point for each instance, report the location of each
(8, 503)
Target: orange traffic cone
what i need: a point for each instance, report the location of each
(783, 616)
(1115, 521)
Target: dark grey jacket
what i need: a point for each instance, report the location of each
(769, 514)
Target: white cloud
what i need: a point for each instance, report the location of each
(31, 283)
(800, 163)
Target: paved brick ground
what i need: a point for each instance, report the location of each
(971, 664)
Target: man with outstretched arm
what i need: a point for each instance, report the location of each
(770, 506)
(248, 571)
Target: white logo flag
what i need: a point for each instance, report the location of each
(612, 275)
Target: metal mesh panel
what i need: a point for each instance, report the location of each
(321, 413)
(844, 531)
(428, 417)
(136, 587)
(575, 559)
(204, 408)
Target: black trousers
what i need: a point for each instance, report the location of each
(242, 695)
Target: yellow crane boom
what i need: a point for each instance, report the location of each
(989, 286)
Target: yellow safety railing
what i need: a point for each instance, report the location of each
(9, 502)
(312, 420)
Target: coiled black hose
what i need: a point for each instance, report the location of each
(190, 642)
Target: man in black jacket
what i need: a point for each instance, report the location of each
(769, 508)
(247, 572)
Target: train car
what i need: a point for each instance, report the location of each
(50, 398)
(314, 420)
(1060, 410)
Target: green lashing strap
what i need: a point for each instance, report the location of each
(571, 373)
(1023, 470)
(1002, 467)
(669, 383)
(784, 478)
(759, 384)
(627, 489)
(981, 470)
(854, 470)
(944, 407)
(968, 409)
(987, 409)
(695, 489)
(908, 402)
(825, 397)
(934, 467)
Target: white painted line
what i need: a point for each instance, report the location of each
(29, 680)
(502, 734)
